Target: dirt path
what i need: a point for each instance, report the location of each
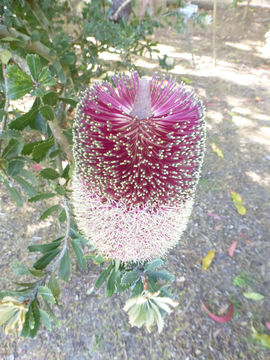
(237, 97)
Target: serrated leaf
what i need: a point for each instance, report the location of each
(46, 294)
(45, 248)
(41, 196)
(14, 167)
(28, 188)
(45, 319)
(19, 83)
(207, 260)
(49, 173)
(64, 269)
(103, 276)
(54, 286)
(46, 259)
(22, 121)
(33, 62)
(110, 288)
(50, 99)
(253, 295)
(40, 151)
(48, 212)
(130, 277)
(71, 102)
(12, 149)
(9, 134)
(34, 307)
(14, 193)
(154, 264)
(45, 78)
(47, 112)
(162, 274)
(19, 269)
(5, 56)
(76, 245)
(217, 150)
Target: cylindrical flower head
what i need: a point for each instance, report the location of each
(138, 148)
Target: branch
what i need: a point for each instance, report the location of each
(4, 118)
(60, 138)
(31, 46)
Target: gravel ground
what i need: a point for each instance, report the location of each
(236, 94)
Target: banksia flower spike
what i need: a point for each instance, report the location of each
(138, 148)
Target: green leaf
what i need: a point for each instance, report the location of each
(154, 264)
(50, 99)
(110, 288)
(34, 307)
(41, 196)
(54, 286)
(103, 276)
(47, 112)
(41, 150)
(130, 277)
(76, 245)
(46, 259)
(22, 121)
(162, 274)
(44, 248)
(64, 269)
(49, 173)
(14, 193)
(28, 148)
(71, 102)
(60, 72)
(28, 188)
(69, 59)
(62, 216)
(5, 56)
(137, 289)
(253, 296)
(13, 148)
(19, 83)
(14, 167)
(45, 78)
(26, 326)
(48, 212)
(60, 190)
(46, 294)
(33, 62)
(243, 280)
(65, 173)
(19, 269)
(9, 134)
(37, 273)
(45, 319)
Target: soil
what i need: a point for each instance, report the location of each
(236, 94)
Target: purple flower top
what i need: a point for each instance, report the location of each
(139, 142)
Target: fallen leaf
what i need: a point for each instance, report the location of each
(267, 325)
(262, 339)
(215, 216)
(207, 260)
(237, 200)
(232, 248)
(217, 150)
(253, 296)
(220, 319)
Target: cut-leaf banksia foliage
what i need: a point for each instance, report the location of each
(138, 148)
